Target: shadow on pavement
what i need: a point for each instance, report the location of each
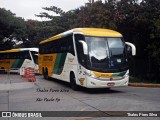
(86, 90)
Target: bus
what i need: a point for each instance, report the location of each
(16, 59)
(87, 57)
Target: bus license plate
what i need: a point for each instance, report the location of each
(111, 84)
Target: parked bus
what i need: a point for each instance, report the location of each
(15, 59)
(88, 57)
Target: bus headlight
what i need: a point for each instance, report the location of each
(94, 76)
(90, 74)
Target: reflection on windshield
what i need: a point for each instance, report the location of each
(97, 48)
(106, 52)
(116, 46)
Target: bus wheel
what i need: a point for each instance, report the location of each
(73, 84)
(46, 74)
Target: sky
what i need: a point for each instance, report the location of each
(28, 8)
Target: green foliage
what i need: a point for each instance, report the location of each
(55, 9)
(96, 15)
(12, 28)
(154, 45)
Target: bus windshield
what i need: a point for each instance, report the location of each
(106, 53)
(35, 56)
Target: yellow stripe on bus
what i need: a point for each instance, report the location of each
(110, 75)
(8, 51)
(51, 39)
(86, 31)
(98, 32)
(103, 75)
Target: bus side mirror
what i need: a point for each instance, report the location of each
(131, 48)
(85, 47)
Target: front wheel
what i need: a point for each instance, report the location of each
(73, 84)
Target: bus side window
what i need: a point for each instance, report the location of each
(79, 48)
(70, 46)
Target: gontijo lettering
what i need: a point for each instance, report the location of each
(47, 58)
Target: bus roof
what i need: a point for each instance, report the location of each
(19, 49)
(87, 32)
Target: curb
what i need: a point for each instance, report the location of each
(144, 85)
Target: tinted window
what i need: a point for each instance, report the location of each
(62, 45)
(16, 55)
(79, 48)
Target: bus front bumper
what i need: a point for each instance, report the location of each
(102, 83)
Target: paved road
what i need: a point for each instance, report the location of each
(57, 96)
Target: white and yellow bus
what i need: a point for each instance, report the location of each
(15, 59)
(88, 57)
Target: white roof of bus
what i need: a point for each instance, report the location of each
(31, 49)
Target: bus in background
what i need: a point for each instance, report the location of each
(88, 57)
(16, 59)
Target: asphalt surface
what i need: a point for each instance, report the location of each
(53, 95)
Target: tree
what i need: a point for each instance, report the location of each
(12, 29)
(96, 14)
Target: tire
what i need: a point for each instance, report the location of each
(46, 74)
(73, 84)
